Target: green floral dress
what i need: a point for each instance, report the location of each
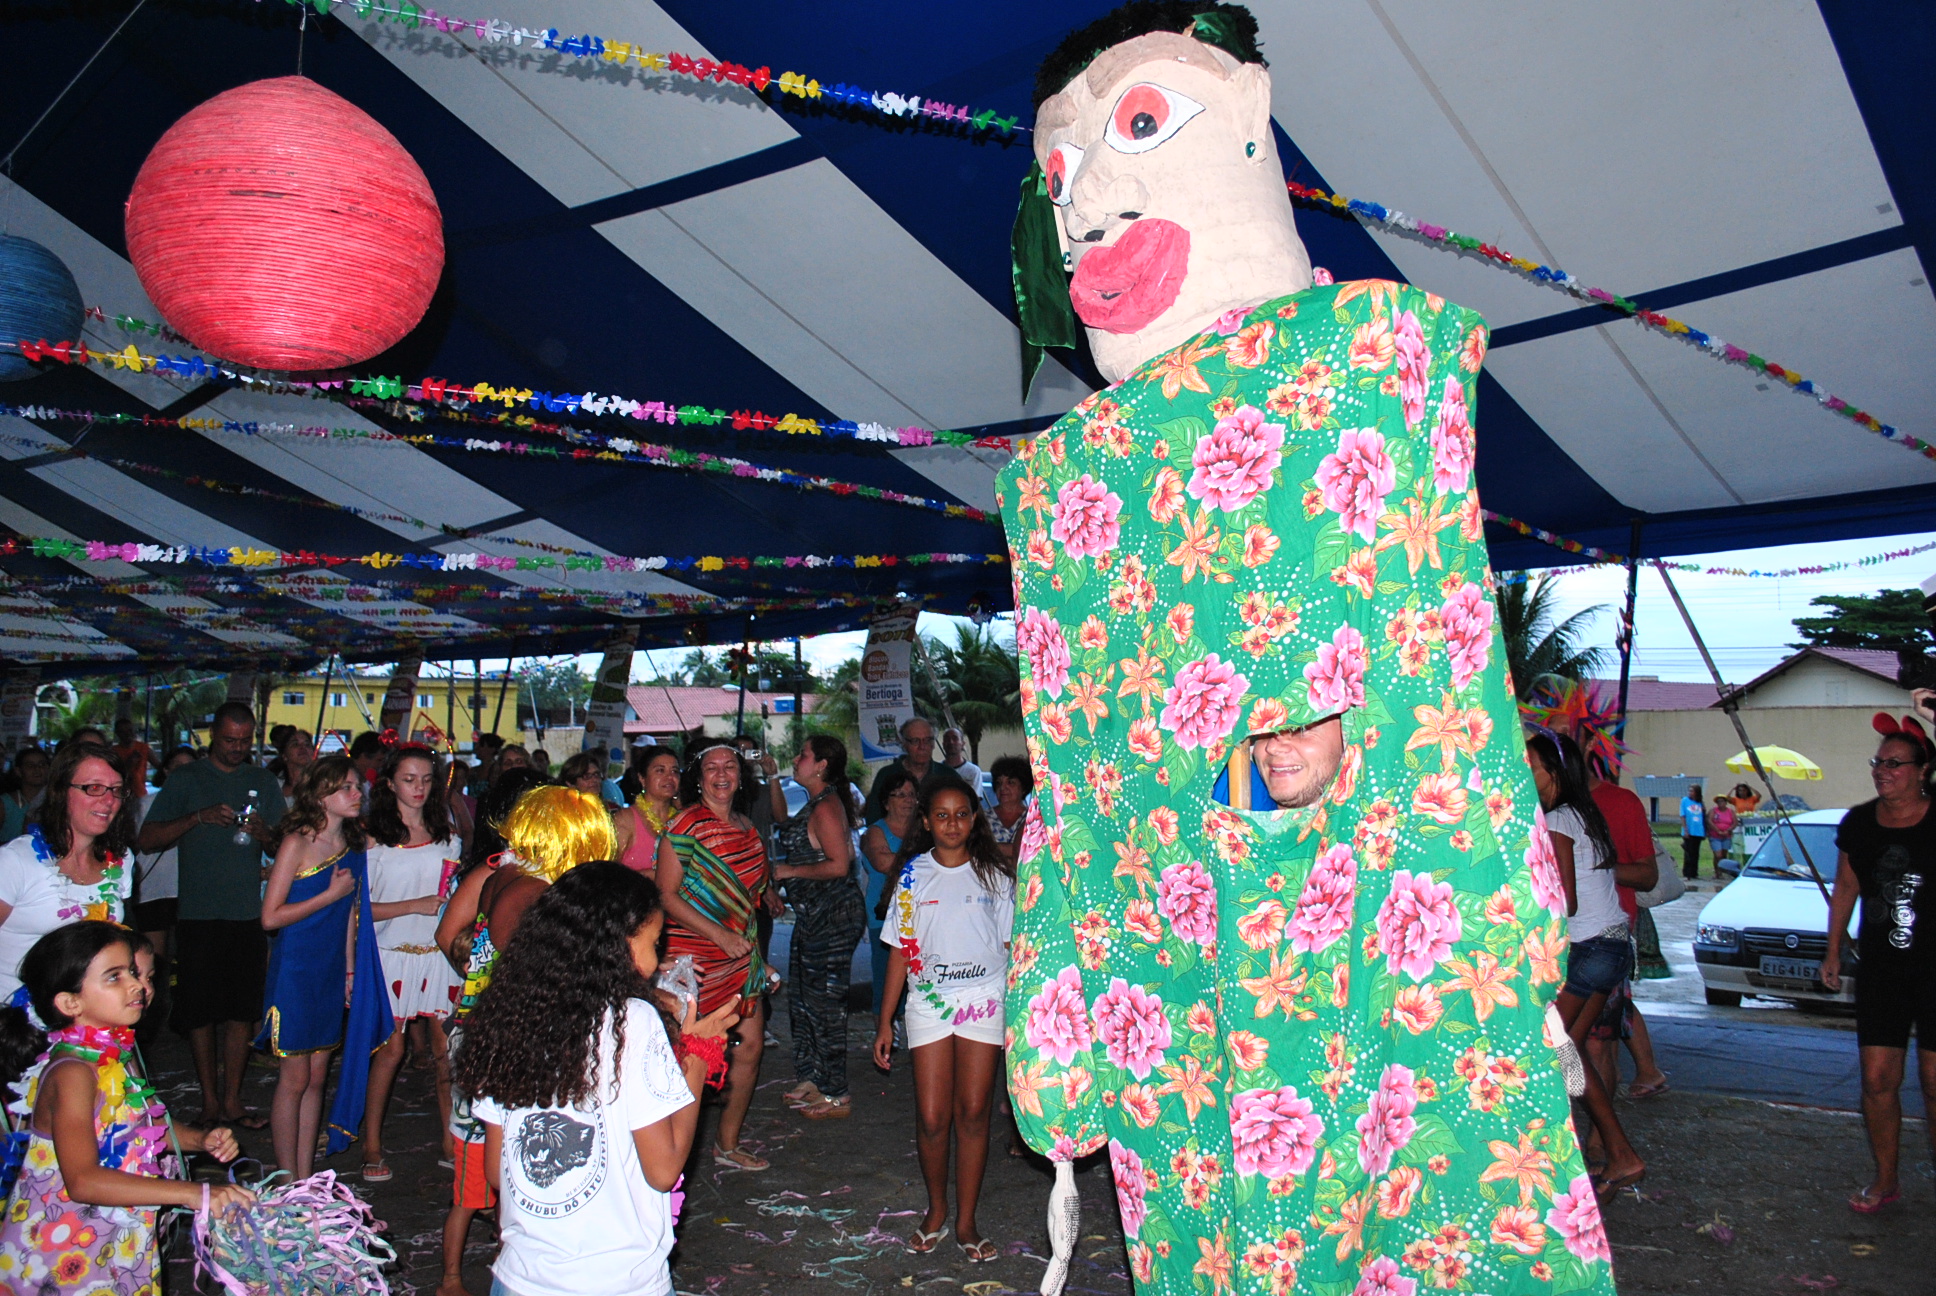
(1311, 1040)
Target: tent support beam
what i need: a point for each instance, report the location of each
(1627, 622)
(1731, 703)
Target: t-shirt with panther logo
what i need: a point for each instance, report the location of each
(576, 1214)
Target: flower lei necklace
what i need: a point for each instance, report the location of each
(136, 1123)
(911, 945)
(655, 821)
(105, 892)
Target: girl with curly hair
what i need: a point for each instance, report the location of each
(948, 921)
(547, 832)
(317, 888)
(587, 1089)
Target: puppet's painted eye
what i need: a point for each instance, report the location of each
(1064, 161)
(1147, 115)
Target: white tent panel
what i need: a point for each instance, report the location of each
(201, 615)
(1580, 390)
(573, 131)
(106, 279)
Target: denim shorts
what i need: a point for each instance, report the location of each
(1598, 966)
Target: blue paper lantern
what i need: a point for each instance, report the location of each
(38, 299)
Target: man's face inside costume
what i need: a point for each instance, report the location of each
(1299, 765)
(1169, 194)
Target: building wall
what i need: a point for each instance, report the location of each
(1697, 743)
(341, 714)
(1818, 682)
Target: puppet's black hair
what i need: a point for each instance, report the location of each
(1231, 28)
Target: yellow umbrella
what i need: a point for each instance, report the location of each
(1779, 761)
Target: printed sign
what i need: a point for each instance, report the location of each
(886, 685)
(605, 713)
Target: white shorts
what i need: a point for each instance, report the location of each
(926, 1026)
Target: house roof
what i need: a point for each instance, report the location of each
(670, 709)
(1651, 693)
(1878, 662)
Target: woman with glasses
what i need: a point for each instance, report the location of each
(73, 862)
(1888, 860)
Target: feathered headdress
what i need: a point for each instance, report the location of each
(1577, 709)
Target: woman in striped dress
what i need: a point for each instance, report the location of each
(713, 871)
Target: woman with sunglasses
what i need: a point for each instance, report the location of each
(1887, 859)
(73, 862)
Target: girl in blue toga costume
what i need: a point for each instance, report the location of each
(319, 884)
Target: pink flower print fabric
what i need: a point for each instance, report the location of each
(1310, 1040)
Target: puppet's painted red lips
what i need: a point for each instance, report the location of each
(1123, 287)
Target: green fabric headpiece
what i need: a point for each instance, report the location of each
(1041, 285)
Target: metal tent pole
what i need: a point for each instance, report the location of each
(503, 684)
(1731, 704)
(322, 702)
(1627, 622)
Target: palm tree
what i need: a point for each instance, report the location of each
(982, 682)
(1537, 647)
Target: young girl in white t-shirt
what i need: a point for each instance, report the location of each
(588, 1092)
(948, 923)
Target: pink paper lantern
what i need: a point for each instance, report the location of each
(278, 225)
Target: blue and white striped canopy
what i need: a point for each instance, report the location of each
(1762, 172)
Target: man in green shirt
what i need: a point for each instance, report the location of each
(221, 952)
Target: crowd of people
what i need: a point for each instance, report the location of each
(578, 958)
(511, 928)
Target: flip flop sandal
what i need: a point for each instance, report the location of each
(250, 1119)
(1604, 1189)
(1867, 1202)
(804, 1094)
(1641, 1093)
(980, 1252)
(829, 1109)
(922, 1242)
(377, 1172)
(738, 1159)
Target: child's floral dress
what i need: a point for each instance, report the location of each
(50, 1244)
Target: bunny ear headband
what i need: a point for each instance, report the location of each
(1908, 727)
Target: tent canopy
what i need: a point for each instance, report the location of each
(1763, 173)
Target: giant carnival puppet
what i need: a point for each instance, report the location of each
(1287, 925)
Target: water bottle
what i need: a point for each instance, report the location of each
(242, 834)
(680, 979)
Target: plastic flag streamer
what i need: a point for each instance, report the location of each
(263, 559)
(608, 449)
(1606, 557)
(575, 559)
(309, 1238)
(319, 590)
(1714, 346)
(494, 31)
(456, 396)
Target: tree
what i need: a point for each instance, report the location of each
(839, 709)
(1890, 620)
(556, 691)
(981, 680)
(178, 702)
(1537, 648)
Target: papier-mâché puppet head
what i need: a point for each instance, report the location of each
(1168, 197)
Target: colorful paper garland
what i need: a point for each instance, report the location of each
(1606, 557)
(609, 449)
(494, 31)
(1713, 346)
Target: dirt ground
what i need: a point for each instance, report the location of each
(1741, 1197)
